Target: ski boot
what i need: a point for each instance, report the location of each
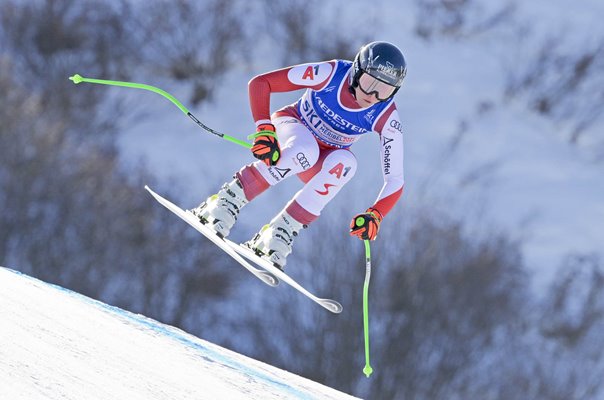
(220, 210)
(274, 241)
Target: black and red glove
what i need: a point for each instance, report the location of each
(266, 146)
(365, 226)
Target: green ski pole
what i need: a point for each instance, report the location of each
(79, 79)
(367, 370)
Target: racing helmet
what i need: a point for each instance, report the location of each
(378, 68)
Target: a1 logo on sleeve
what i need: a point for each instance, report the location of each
(309, 74)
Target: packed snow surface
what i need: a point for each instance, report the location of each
(57, 344)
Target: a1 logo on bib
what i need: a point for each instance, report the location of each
(309, 74)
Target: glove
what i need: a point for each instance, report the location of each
(366, 225)
(266, 146)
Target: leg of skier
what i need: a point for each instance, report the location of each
(323, 181)
(299, 152)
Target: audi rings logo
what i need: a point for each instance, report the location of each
(303, 161)
(396, 125)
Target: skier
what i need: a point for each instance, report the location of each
(311, 138)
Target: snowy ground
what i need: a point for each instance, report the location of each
(57, 344)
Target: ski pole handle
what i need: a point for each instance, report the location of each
(79, 79)
(367, 370)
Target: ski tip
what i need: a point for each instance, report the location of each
(271, 279)
(332, 306)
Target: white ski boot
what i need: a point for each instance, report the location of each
(220, 210)
(274, 241)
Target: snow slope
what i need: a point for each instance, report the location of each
(57, 344)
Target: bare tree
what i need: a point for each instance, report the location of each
(305, 38)
(50, 40)
(572, 361)
(72, 214)
(194, 42)
(563, 82)
(459, 18)
(441, 302)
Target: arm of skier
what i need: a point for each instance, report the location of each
(366, 225)
(260, 87)
(391, 156)
(266, 146)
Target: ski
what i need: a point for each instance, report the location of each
(248, 253)
(267, 272)
(224, 244)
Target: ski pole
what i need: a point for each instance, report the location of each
(367, 370)
(78, 79)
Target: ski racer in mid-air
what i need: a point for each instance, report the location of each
(311, 138)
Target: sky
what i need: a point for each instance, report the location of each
(58, 344)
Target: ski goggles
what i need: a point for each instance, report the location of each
(370, 85)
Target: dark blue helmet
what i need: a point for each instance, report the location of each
(383, 61)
